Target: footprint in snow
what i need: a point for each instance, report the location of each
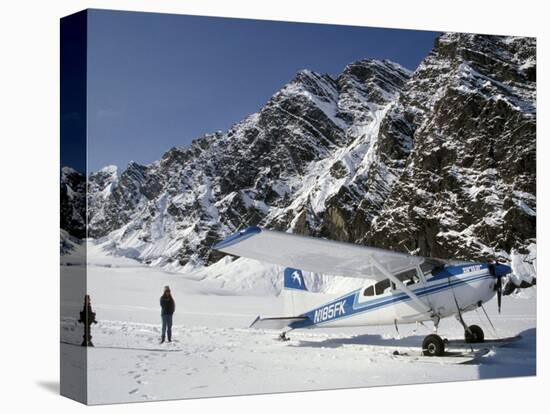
(133, 391)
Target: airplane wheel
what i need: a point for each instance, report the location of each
(433, 345)
(475, 335)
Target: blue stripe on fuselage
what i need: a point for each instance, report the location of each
(349, 305)
(450, 271)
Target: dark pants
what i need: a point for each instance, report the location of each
(167, 326)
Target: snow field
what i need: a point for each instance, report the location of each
(215, 354)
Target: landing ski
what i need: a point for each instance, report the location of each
(448, 358)
(500, 342)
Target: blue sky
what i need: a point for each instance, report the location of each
(158, 80)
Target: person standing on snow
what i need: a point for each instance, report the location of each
(167, 306)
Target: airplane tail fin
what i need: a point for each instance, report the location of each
(295, 293)
(294, 279)
(294, 287)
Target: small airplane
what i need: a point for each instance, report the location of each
(399, 288)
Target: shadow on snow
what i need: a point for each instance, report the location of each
(510, 360)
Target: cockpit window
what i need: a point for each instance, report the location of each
(378, 288)
(408, 277)
(369, 291)
(431, 267)
(382, 286)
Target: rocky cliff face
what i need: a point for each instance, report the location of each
(468, 185)
(440, 162)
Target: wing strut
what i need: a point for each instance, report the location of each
(401, 286)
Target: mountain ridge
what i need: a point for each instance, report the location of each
(373, 156)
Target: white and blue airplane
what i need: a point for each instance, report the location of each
(399, 288)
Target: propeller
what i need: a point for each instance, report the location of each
(498, 271)
(498, 284)
(498, 287)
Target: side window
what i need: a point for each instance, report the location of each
(431, 267)
(382, 286)
(408, 277)
(378, 288)
(369, 291)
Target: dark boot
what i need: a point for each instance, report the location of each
(162, 340)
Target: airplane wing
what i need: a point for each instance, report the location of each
(315, 254)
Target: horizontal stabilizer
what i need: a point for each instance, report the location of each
(275, 323)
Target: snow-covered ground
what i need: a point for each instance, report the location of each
(215, 354)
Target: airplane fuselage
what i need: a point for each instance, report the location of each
(462, 287)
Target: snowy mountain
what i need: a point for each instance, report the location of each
(440, 162)
(469, 178)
